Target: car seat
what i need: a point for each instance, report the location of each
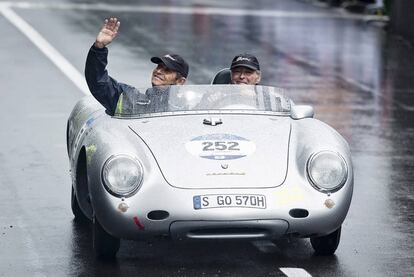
(222, 77)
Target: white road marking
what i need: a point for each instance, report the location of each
(404, 106)
(295, 272)
(191, 10)
(66, 67)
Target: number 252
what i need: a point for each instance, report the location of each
(220, 145)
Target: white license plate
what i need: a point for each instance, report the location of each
(229, 200)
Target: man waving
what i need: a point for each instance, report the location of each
(171, 69)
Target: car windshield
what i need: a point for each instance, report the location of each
(202, 98)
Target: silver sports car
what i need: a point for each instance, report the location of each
(207, 162)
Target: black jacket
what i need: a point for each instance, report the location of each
(102, 86)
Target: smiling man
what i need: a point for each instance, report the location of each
(245, 69)
(171, 69)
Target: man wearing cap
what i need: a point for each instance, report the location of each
(171, 69)
(245, 69)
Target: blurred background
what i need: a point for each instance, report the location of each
(352, 60)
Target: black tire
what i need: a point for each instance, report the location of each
(104, 245)
(326, 245)
(80, 217)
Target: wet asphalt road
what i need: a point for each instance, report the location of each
(358, 77)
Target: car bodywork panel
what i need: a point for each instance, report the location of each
(275, 167)
(267, 152)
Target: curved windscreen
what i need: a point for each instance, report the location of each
(202, 98)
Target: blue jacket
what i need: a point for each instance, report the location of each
(102, 86)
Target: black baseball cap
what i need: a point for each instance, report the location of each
(245, 60)
(173, 62)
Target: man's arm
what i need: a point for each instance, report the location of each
(104, 88)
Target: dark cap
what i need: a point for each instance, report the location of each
(245, 60)
(173, 62)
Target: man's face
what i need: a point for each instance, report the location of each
(243, 75)
(163, 76)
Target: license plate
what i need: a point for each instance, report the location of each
(229, 200)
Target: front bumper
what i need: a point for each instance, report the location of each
(160, 210)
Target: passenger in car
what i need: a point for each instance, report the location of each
(245, 69)
(171, 69)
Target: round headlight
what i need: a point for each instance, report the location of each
(327, 171)
(122, 175)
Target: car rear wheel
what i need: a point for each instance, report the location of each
(76, 210)
(326, 245)
(104, 245)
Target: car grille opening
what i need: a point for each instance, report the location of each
(298, 213)
(226, 233)
(158, 215)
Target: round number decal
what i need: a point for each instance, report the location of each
(220, 147)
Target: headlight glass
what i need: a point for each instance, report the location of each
(327, 170)
(122, 175)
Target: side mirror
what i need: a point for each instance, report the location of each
(301, 111)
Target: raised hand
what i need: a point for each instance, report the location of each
(108, 32)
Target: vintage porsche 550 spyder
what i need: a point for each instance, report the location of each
(207, 162)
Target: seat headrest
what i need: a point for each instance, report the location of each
(222, 77)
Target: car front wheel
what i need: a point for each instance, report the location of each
(76, 210)
(104, 245)
(326, 245)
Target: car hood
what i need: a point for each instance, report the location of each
(243, 151)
